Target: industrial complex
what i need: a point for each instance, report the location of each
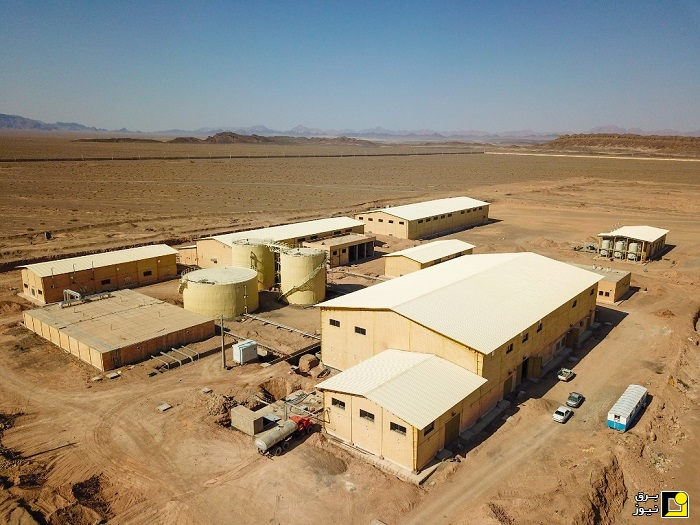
(426, 219)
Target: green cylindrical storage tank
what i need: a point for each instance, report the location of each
(303, 275)
(220, 291)
(255, 254)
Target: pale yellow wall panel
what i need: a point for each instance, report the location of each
(366, 434)
(397, 447)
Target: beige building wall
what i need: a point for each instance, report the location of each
(398, 265)
(382, 223)
(212, 253)
(187, 256)
(105, 278)
(344, 253)
(611, 292)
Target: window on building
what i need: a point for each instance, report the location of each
(449, 215)
(338, 403)
(435, 218)
(420, 221)
(335, 252)
(442, 216)
(592, 291)
(481, 207)
(360, 218)
(509, 349)
(461, 212)
(370, 219)
(348, 230)
(337, 233)
(367, 415)
(26, 285)
(607, 294)
(214, 260)
(397, 428)
(360, 330)
(344, 250)
(574, 304)
(469, 211)
(539, 327)
(600, 292)
(314, 237)
(301, 239)
(427, 220)
(380, 220)
(334, 322)
(40, 292)
(391, 222)
(526, 336)
(106, 281)
(147, 273)
(400, 222)
(427, 430)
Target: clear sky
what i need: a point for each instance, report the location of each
(491, 65)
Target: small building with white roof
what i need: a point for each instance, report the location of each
(423, 256)
(426, 219)
(632, 243)
(403, 406)
(499, 316)
(45, 282)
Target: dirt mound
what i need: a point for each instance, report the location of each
(627, 143)
(307, 362)
(664, 313)
(228, 137)
(279, 387)
(11, 307)
(88, 493)
(218, 404)
(541, 242)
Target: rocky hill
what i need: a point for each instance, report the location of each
(228, 137)
(626, 143)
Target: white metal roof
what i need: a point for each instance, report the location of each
(221, 275)
(419, 210)
(640, 233)
(433, 250)
(416, 387)
(481, 301)
(291, 231)
(628, 400)
(99, 260)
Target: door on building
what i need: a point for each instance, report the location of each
(452, 430)
(508, 386)
(572, 338)
(535, 367)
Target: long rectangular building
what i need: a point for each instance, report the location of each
(426, 219)
(499, 316)
(426, 255)
(633, 243)
(118, 328)
(45, 282)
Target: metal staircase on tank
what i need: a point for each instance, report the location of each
(304, 286)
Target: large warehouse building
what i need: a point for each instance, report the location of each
(633, 243)
(117, 328)
(45, 282)
(499, 316)
(426, 255)
(426, 219)
(217, 250)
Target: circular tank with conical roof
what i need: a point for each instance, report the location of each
(220, 291)
(605, 247)
(255, 254)
(619, 249)
(303, 275)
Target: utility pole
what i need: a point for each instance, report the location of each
(223, 353)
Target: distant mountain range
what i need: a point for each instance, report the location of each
(16, 122)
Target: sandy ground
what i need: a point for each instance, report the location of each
(77, 451)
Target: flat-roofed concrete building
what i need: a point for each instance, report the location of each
(216, 251)
(425, 255)
(403, 406)
(632, 243)
(45, 282)
(426, 219)
(118, 328)
(345, 249)
(615, 283)
(499, 316)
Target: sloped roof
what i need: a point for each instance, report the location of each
(481, 301)
(290, 231)
(419, 210)
(99, 260)
(433, 250)
(416, 387)
(640, 233)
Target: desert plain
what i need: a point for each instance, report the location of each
(76, 451)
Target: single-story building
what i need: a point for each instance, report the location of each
(633, 243)
(403, 406)
(114, 329)
(426, 219)
(345, 249)
(615, 283)
(45, 282)
(423, 256)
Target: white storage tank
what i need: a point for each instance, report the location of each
(245, 352)
(620, 250)
(633, 251)
(605, 247)
(220, 291)
(255, 254)
(303, 276)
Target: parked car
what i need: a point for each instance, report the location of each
(562, 414)
(574, 400)
(565, 374)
